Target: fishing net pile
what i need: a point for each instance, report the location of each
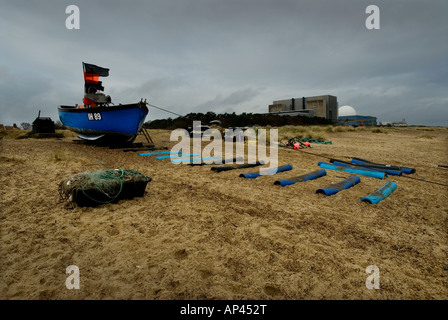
(312, 140)
(90, 189)
(302, 141)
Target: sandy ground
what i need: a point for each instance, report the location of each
(198, 234)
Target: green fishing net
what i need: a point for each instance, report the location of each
(103, 186)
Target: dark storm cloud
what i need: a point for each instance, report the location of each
(225, 56)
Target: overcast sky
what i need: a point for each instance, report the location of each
(227, 55)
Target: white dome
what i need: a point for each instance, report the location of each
(346, 111)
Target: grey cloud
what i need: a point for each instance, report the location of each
(193, 55)
(233, 99)
(19, 96)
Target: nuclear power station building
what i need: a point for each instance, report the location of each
(349, 117)
(319, 106)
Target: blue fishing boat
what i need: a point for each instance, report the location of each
(119, 123)
(97, 119)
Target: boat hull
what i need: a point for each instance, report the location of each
(118, 124)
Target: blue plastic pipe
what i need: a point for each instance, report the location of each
(160, 152)
(304, 177)
(184, 160)
(175, 157)
(362, 161)
(380, 194)
(223, 161)
(253, 175)
(359, 166)
(342, 185)
(367, 173)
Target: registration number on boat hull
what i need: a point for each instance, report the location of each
(94, 116)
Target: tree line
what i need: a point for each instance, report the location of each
(229, 120)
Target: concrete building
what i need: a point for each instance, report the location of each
(318, 106)
(401, 123)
